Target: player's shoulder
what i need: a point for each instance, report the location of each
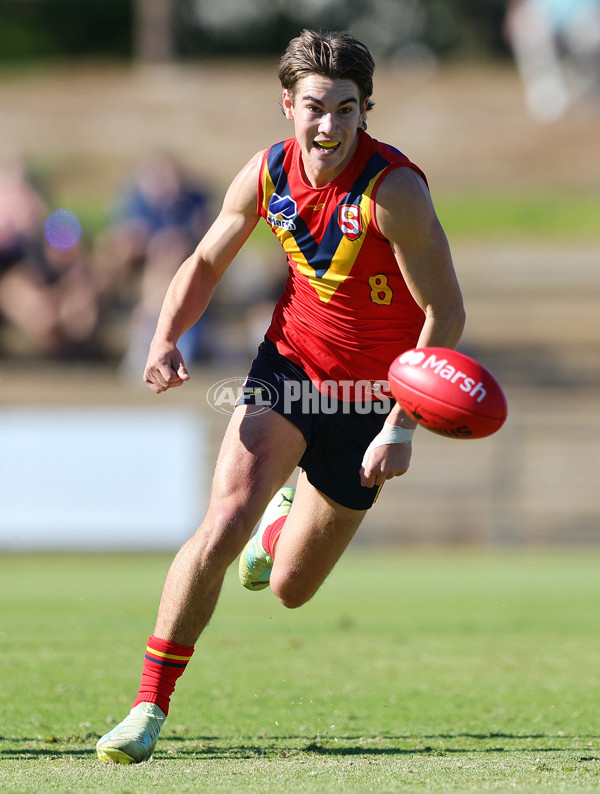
(402, 186)
(243, 190)
(402, 178)
(403, 204)
(253, 165)
(249, 172)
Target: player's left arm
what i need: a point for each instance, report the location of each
(406, 216)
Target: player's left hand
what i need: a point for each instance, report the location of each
(383, 463)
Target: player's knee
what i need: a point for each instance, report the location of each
(292, 600)
(291, 590)
(223, 536)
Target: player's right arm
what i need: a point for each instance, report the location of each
(193, 285)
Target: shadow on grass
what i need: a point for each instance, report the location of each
(173, 748)
(401, 745)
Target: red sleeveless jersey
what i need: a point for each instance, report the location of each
(346, 311)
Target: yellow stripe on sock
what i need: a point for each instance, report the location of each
(168, 655)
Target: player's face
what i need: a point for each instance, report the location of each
(327, 115)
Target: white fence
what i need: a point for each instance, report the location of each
(91, 478)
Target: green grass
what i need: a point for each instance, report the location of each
(407, 672)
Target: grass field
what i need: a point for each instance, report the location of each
(408, 672)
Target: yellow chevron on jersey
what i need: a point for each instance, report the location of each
(327, 261)
(342, 261)
(345, 310)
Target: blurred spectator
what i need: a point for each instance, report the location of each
(47, 291)
(556, 44)
(158, 219)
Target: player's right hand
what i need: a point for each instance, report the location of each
(165, 369)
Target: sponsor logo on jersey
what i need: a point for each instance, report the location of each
(282, 211)
(350, 221)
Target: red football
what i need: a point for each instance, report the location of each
(448, 392)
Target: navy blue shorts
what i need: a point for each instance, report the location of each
(337, 433)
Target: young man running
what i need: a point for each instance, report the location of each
(370, 275)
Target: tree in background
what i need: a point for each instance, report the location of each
(154, 30)
(163, 30)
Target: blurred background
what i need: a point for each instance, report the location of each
(121, 124)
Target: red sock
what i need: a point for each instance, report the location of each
(164, 663)
(271, 535)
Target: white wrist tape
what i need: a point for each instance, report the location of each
(390, 434)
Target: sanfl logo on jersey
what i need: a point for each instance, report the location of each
(282, 211)
(350, 221)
